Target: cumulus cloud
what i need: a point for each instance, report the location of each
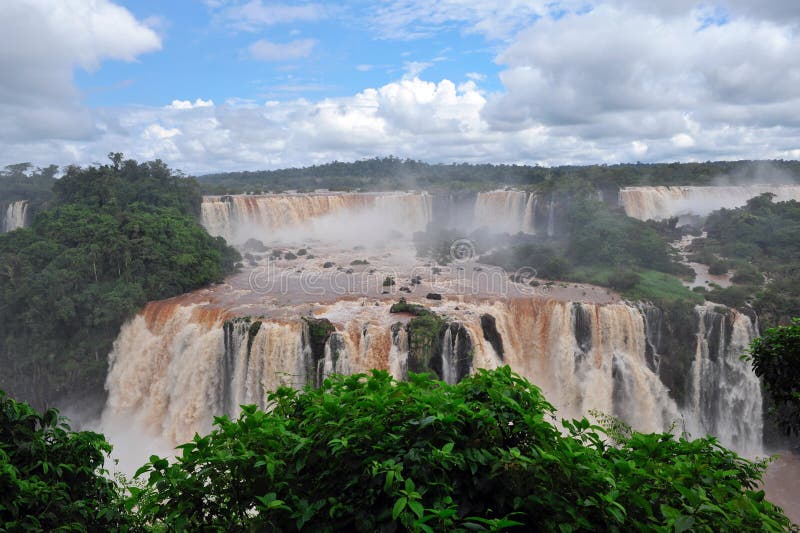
(616, 81)
(672, 79)
(187, 104)
(264, 50)
(42, 42)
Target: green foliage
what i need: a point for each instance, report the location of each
(599, 235)
(662, 288)
(776, 357)
(391, 173)
(623, 280)
(52, 478)
(717, 268)
(23, 182)
(69, 282)
(763, 239)
(367, 453)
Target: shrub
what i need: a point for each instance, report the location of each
(717, 268)
(51, 477)
(368, 453)
(623, 280)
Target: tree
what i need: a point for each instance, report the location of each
(52, 478)
(368, 453)
(776, 359)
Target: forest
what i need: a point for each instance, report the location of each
(115, 237)
(391, 173)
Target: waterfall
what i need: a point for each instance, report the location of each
(551, 220)
(529, 222)
(506, 210)
(239, 217)
(658, 203)
(16, 216)
(174, 366)
(727, 393)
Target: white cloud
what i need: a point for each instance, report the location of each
(264, 50)
(497, 19)
(683, 140)
(639, 148)
(414, 68)
(187, 104)
(624, 81)
(364, 68)
(42, 41)
(256, 14)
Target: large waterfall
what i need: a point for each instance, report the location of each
(178, 364)
(506, 210)
(658, 203)
(242, 216)
(16, 216)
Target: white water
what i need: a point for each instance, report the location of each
(173, 368)
(506, 210)
(329, 216)
(16, 216)
(658, 203)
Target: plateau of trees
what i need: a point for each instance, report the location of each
(367, 453)
(116, 237)
(390, 173)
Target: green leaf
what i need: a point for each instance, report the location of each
(683, 523)
(399, 505)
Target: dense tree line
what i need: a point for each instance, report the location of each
(368, 453)
(761, 243)
(393, 173)
(117, 236)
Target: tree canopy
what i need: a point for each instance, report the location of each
(775, 356)
(117, 237)
(367, 453)
(52, 478)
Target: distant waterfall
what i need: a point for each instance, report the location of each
(657, 203)
(239, 217)
(16, 216)
(175, 366)
(551, 219)
(507, 211)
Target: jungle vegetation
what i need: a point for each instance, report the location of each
(116, 236)
(392, 173)
(368, 453)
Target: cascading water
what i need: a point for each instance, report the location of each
(239, 217)
(551, 219)
(657, 203)
(727, 395)
(507, 210)
(175, 366)
(16, 216)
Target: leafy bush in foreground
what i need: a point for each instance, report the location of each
(52, 478)
(367, 453)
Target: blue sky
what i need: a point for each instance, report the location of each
(210, 85)
(206, 56)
